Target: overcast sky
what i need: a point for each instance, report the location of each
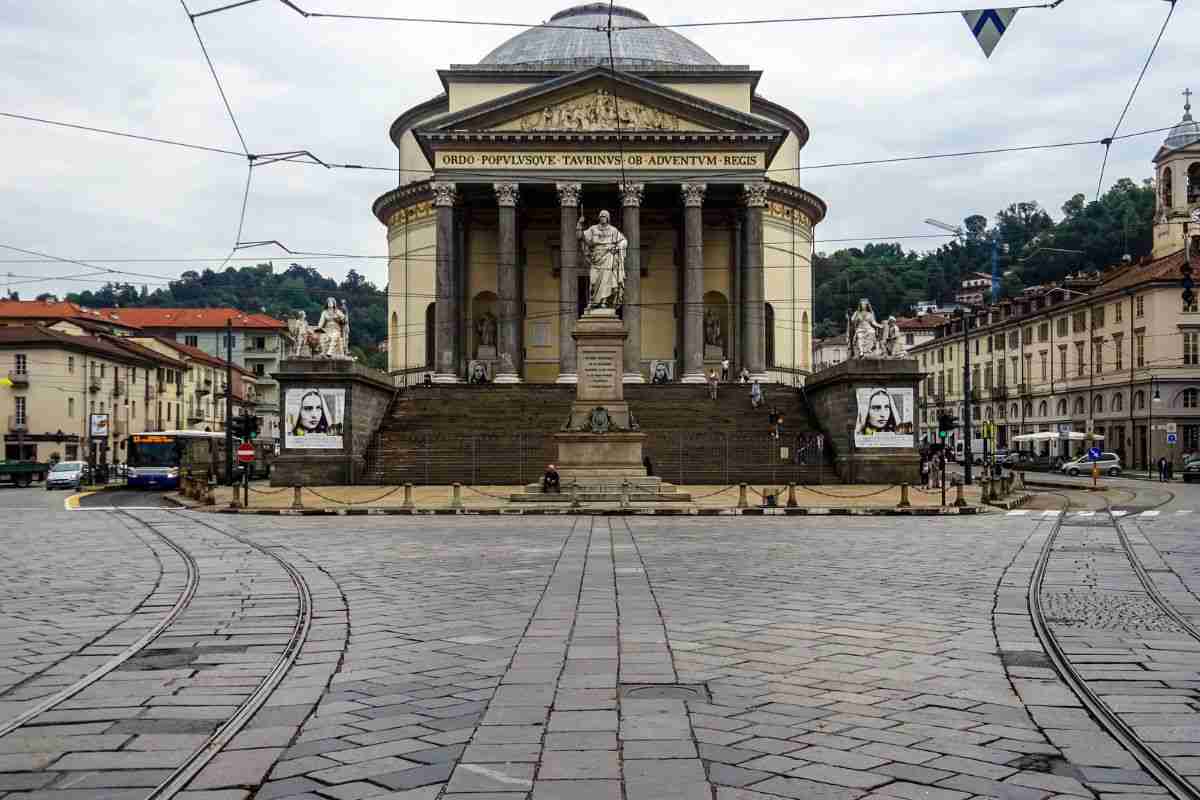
(866, 89)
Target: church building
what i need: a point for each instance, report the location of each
(699, 172)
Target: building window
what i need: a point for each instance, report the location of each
(70, 406)
(229, 341)
(1139, 401)
(103, 369)
(1167, 187)
(1027, 336)
(1118, 402)
(1079, 359)
(70, 365)
(987, 377)
(1098, 356)
(1191, 398)
(1098, 404)
(1042, 408)
(1191, 308)
(1191, 438)
(133, 409)
(260, 369)
(1079, 406)
(20, 364)
(1193, 183)
(1079, 322)
(1118, 340)
(1016, 376)
(1043, 331)
(1191, 348)
(1062, 407)
(1140, 345)
(133, 376)
(1060, 326)
(1001, 377)
(908, 340)
(19, 417)
(1013, 340)
(1062, 360)
(1117, 312)
(1098, 317)
(1028, 376)
(1045, 359)
(1139, 306)
(191, 341)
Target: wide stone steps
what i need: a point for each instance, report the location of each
(495, 434)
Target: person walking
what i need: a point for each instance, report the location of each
(756, 395)
(712, 384)
(725, 370)
(1162, 468)
(925, 471)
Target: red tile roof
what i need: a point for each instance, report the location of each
(43, 309)
(181, 318)
(39, 336)
(196, 354)
(1165, 268)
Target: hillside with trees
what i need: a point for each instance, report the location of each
(261, 289)
(1031, 245)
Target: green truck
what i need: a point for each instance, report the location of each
(22, 473)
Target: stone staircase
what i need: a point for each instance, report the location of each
(502, 435)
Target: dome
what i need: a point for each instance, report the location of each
(587, 46)
(1186, 132)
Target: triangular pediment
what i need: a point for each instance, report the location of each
(597, 100)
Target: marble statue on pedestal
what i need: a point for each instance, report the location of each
(863, 332)
(603, 248)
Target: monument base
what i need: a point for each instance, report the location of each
(445, 377)
(599, 457)
(838, 395)
(507, 377)
(567, 377)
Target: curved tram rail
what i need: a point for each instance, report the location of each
(1150, 760)
(199, 758)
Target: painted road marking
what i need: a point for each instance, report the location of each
(1119, 512)
(1046, 514)
(1020, 512)
(1149, 514)
(1085, 513)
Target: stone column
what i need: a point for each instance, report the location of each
(446, 310)
(568, 201)
(631, 206)
(754, 311)
(693, 283)
(508, 287)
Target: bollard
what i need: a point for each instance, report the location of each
(742, 501)
(296, 501)
(958, 495)
(1007, 486)
(985, 490)
(625, 494)
(1019, 483)
(408, 501)
(575, 495)
(791, 503)
(904, 497)
(456, 495)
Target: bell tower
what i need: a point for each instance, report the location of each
(1177, 182)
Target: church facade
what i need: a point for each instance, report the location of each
(698, 172)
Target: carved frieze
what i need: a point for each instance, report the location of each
(600, 111)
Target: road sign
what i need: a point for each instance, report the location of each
(988, 25)
(245, 452)
(1196, 215)
(1093, 453)
(1172, 438)
(1170, 427)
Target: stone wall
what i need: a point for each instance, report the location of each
(832, 395)
(369, 393)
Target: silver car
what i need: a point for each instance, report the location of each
(68, 475)
(1109, 464)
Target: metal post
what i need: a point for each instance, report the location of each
(958, 495)
(904, 503)
(743, 502)
(456, 495)
(943, 480)
(408, 496)
(791, 501)
(296, 501)
(1149, 428)
(246, 486)
(228, 403)
(966, 382)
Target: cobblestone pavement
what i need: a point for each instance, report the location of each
(576, 658)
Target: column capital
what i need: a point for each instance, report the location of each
(569, 194)
(507, 194)
(631, 194)
(754, 195)
(445, 194)
(693, 194)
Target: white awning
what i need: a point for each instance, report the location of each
(1055, 436)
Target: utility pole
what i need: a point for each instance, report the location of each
(967, 399)
(229, 401)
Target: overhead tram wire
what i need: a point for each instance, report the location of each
(1133, 92)
(212, 69)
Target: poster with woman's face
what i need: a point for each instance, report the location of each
(885, 417)
(314, 418)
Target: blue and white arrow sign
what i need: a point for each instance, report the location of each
(989, 25)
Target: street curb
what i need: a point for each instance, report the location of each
(1016, 502)
(644, 512)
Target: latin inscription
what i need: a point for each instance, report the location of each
(599, 370)
(602, 160)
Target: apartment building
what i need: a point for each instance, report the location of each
(54, 380)
(202, 389)
(1122, 361)
(258, 345)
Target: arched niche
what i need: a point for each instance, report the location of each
(484, 326)
(716, 326)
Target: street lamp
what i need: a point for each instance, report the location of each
(1150, 428)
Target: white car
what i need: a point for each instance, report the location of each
(1109, 464)
(67, 474)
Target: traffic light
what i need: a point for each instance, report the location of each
(251, 427)
(946, 424)
(237, 427)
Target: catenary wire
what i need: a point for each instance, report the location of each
(212, 69)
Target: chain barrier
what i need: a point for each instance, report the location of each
(353, 502)
(482, 493)
(849, 496)
(714, 494)
(277, 491)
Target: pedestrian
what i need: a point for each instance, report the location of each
(712, 384)
(725, 370)
(745, 376)
(925, 471)
(648, 465)
(1162, 468)
(1170, 470)
(551, 484)
(779, 426)
(756, 395)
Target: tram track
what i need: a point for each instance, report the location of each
(1155, 764)
(195, 762)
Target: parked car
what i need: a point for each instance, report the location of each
(1109, 464)
(68, 475)
(1191, 470)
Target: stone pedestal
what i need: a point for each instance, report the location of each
(361, 398)
(585, 450)
(839, 396)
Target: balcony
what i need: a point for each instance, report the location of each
(204, 387)
(93, 384)
(266, 349)
(194, 415)
(18, 424)
(18, 378)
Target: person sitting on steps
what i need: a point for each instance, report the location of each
(550, 481)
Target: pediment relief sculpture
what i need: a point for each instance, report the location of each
(600, 111)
